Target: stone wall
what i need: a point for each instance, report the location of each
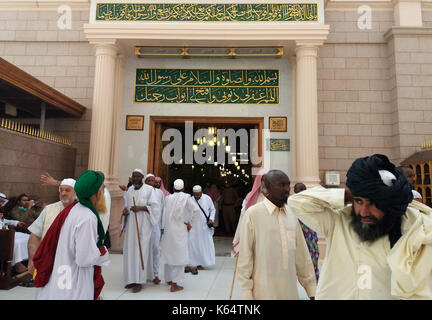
(24, 158)
(63, 59)
(354, 97)
(412, 56)
(78, 131)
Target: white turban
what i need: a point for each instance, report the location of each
(178, 184)
(139, 171)
(68, 182)
(148, 176)
(416, 195)
(197, 188)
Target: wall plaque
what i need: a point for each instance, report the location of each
(278, 124)
(135, 123)
(278, 144)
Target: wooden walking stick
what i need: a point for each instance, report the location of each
(138, 236)
(235, 270)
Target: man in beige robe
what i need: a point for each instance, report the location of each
(273, 250)
(378, 247)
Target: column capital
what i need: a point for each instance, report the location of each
(309, 43)
(106, 49)
(308, 49)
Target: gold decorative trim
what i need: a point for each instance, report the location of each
(427, 145)
(187, 52)
(30, 131)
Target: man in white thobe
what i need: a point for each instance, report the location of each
(201, 246)
(79, 247)
(141, 206)
(41, 225)
(273, 251)
(157, 231)
(150, 180)
(181, 213)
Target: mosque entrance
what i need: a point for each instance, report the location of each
(206, 151)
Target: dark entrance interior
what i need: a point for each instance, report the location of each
(224, 163)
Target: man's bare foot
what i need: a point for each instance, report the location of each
(175, 287)
(130, 285)
(187, 269)
(137, 288)
(194, 271)
(156, 280)
(200, 268)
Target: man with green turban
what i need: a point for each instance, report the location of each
(69, 257)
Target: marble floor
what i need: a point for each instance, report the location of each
(213, 283)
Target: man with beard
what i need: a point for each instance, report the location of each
(68, 261)
(380, 245)
(140, 199)
(48, 180)
(273, 251)
(41, 225)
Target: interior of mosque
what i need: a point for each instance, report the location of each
(224, 160)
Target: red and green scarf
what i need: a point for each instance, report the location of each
(86, 186)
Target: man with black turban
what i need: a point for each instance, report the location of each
(68, 260)
(379, 246)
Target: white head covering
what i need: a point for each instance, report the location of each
(139, 171)
(387, 177)
(4, 198)
(68, 182)
(178, 184)
(416, 195)
(148, 176)
(197, 188)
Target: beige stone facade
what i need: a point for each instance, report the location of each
(373, 84)
(373, 90)
(63, 59)
(373, 87)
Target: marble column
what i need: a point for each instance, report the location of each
(293, 66)
(113, 176)
(306, 115)
(103, 108)
(112, 181)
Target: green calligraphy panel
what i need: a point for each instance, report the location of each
(278, 144)
(208, 12)
(207, 86)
